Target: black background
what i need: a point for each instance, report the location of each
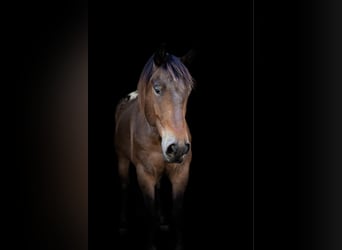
(218, 203)
(265, 119)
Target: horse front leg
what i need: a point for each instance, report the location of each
(159, 206)
(177, 220)
(147, 185)
(179, 183)
(123, 169)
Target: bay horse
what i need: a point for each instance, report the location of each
(152, 133)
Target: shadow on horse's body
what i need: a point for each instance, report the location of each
(151, 133)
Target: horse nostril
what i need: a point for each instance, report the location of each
(172, 149)
(187, 148)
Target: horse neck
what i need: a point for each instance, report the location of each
(142, 124)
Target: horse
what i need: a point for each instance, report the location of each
(152, 134)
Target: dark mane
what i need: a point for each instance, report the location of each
(173, 66)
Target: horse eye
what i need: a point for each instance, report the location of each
(157, 89)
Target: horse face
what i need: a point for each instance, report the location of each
(169, 98)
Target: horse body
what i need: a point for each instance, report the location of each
(152, 133)
(140, 143)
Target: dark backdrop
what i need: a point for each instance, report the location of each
(291, 59)
(218, 201)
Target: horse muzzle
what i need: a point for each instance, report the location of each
(175, 152)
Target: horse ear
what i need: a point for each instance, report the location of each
(188, 58)
(160, 56)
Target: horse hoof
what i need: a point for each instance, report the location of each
(122, 230)
(179, 247)
(152, 248)
(164, 228)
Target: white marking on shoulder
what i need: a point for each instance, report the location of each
(132, 95)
